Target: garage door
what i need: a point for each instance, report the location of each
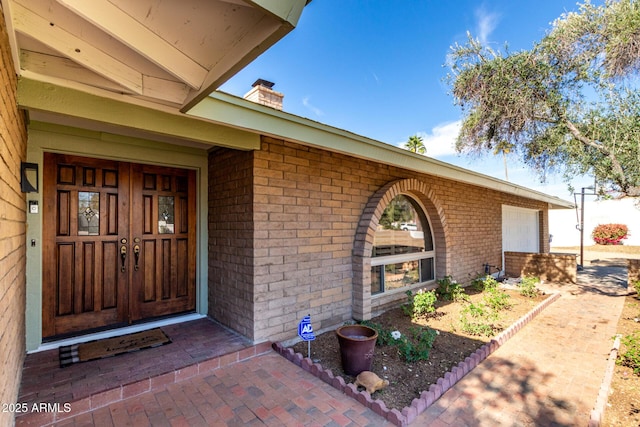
(520, 231)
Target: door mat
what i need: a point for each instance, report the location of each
(108, 347)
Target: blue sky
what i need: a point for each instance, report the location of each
(376, 68)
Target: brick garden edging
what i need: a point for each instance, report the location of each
(603, 395)
(427, 398)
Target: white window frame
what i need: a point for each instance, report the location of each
(413, 256)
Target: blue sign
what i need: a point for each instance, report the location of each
(305, 330)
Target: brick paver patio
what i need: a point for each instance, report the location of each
(550, 373)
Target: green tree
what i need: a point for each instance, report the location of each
(415, 144)
(570, 104)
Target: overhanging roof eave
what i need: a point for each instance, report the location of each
(237, 112)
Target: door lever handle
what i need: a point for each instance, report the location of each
(136, 256)
(123, 257)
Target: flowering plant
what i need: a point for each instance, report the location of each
(396, 335)
(609, 234)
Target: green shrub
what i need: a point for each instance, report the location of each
(417, 346)
(420, 304)
(636, 286)
(450, 290)
(478, 319)
(384, 335)
(497, 299)
(484, 282)
(478, 282)
(631, 356)
(609, 234)
(528, 286)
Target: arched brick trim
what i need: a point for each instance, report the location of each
(363, 245)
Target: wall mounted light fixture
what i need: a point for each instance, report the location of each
(28, 177)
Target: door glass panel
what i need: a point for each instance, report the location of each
(88, 213)
(166, 216)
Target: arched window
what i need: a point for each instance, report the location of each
(403, 250)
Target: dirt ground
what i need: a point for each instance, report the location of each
(408, 380)
(623, 408)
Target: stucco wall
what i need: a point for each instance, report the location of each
(310, 207)
(13, 140)
(563, 222)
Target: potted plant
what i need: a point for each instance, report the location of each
(357, 344)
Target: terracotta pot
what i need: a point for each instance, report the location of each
(357, 344)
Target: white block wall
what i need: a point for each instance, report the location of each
(562, 222)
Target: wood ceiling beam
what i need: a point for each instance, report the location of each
(132, 33)
(61, 68)
(30, 24)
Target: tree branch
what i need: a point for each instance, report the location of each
(617, 167)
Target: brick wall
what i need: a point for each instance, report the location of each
(231, 240)
(314, 213)
(13, 143)
(556, 268)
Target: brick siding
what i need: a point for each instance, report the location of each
(13, 143)
(309, 233)
(556, 268)
(231, 240)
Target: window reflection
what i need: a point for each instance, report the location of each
(400, 229)
(403, 250)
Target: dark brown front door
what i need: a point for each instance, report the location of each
(118, 243)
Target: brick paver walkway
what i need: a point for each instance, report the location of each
(550, 373)
(266, 390)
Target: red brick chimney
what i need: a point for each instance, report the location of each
(262, 93)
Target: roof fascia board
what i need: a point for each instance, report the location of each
(285, 10)
(238, 112)
(37, 95)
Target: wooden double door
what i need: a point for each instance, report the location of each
(119, 243)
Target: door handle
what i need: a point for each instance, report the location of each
(136, 256)
(123, 257)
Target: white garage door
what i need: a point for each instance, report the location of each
(520, 230)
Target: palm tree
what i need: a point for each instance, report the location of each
(415, 144)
